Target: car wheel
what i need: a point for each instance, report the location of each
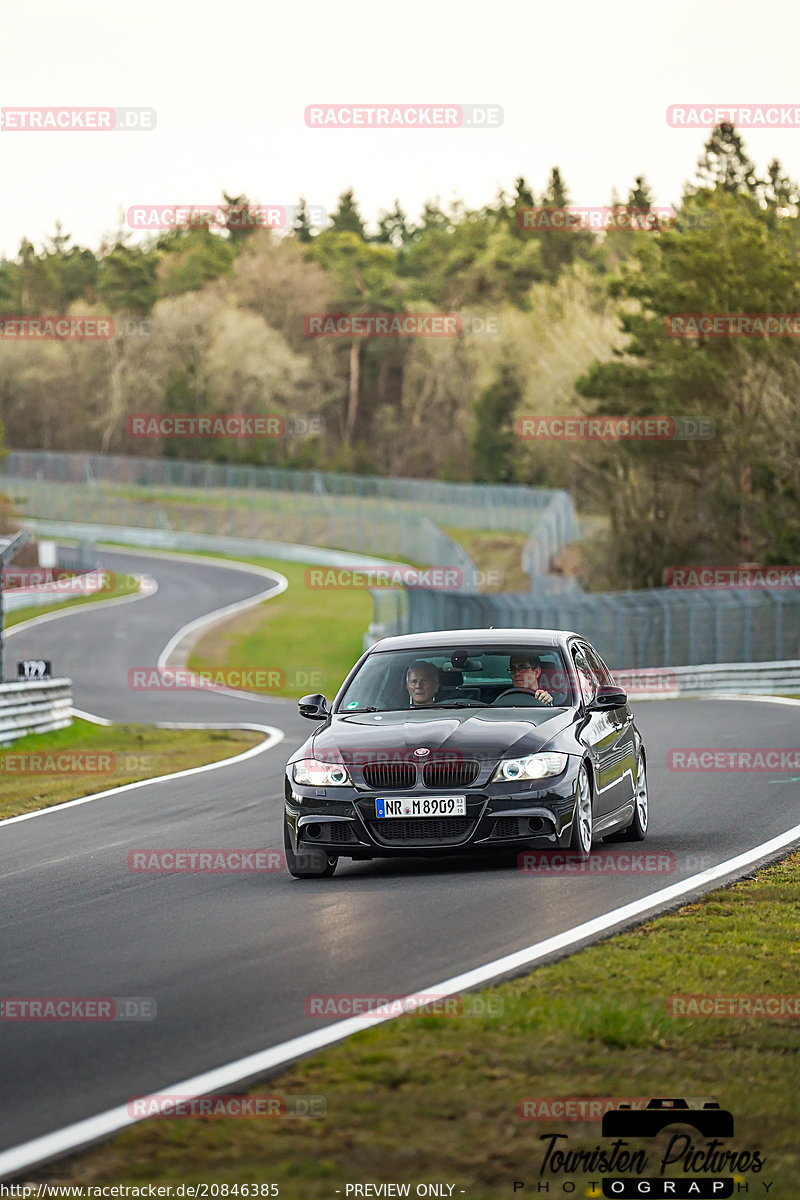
(308, 864)
(636, 829)
(580, 842)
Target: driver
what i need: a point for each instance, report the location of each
(422, 683)
(525, 670)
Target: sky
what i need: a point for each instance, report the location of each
(584, 85)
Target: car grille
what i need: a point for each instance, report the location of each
(460, 773)
(431, 829)
(386, 777)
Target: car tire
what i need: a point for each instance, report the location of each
(309, 864)
(580, 842)
(636, 829)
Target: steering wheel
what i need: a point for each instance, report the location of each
(522, 692)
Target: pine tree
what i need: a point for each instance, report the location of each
(493, 438)
(347, 218)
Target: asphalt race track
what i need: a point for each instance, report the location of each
(230, 958)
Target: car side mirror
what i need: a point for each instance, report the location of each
(608, 697)
(314, 707)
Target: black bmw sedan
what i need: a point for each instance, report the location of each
(466, 741)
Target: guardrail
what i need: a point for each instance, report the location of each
(671, 683)
(470, 505)
(300, 519)
(399, 517)
(34, 706)
(72, 588)
(164, 539)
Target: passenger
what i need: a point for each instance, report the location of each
(422, 683)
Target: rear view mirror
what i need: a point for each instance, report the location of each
(314, 707)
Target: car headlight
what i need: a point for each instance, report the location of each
(534, 766)
(314, 773)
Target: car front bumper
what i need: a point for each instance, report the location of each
(343, 820)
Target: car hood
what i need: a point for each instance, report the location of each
(470, 733)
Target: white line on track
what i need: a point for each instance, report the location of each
(273, 737)
(148, 587)
(103, 1125)
(190, 631)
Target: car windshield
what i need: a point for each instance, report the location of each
(513, 676)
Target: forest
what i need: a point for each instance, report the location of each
(556, 322)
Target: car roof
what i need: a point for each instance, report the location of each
(448, 638)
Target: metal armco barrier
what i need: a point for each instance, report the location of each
(751, 679)
(160, 539)
(47, 593)
(34, 706)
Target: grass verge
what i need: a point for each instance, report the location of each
(425, 1098)
(497, 554)
(114, 754)
(309, 638)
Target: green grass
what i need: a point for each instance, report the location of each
(498, 555)
(422, 1099)
(123, 586)
(131, 752)
(303, 630)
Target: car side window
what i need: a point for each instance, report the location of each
(599, 668)
(586, 679)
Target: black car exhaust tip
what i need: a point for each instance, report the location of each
(535, 824)
(313, 831)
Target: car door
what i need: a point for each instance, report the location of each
(601, 733)
(624, 742)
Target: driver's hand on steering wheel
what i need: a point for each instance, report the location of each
(543, 696)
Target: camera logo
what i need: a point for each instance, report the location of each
(710, 1121)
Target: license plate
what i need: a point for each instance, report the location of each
(420, 806)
